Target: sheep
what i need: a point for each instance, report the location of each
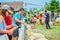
(34, 36)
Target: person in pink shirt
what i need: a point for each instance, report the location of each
(33, 21)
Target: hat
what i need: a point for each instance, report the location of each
(21, 9)
(10, 11)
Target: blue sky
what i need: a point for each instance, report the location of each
(37, 2)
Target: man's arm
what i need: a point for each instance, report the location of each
(20, 21)
(16, 18)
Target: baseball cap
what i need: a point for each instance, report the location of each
(21, 9)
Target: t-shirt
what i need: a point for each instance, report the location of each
(2, 26)
(33, 19)
(47, 16)
(8, 20)
(29, 16)
(17, 16)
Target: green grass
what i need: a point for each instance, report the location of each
(51, 34)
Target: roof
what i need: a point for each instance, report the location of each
(15, 5)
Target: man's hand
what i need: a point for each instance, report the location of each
(5, 31)
(22, 22)
(10, 32)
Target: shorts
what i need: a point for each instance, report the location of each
(15, 33)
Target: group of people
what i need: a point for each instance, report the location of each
(10, 24)
(43, 17)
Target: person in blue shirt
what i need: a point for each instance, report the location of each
(47, 20)
(18, 19)
(2, 25)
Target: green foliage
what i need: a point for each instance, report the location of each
(53, 5)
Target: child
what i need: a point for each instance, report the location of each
(29, 17)
(33, 21)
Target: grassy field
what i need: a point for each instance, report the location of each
(50, 34)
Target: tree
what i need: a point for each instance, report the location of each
(52, 6)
